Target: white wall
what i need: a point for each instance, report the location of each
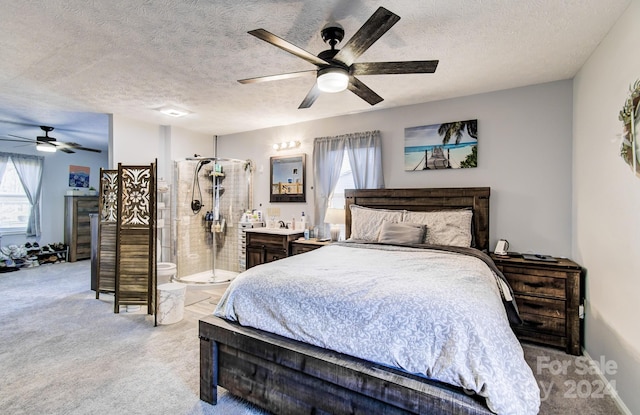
(186, 144)
(54, 185)
(136, 142)
(607, 205)
(524, 156)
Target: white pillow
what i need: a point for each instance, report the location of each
(444, 227)
(366, 222)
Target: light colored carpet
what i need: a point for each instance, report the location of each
(64, 352)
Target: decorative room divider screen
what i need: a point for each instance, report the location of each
(106, 240)
(135, 237)
(127, 236)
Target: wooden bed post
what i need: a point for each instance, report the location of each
(208, 370)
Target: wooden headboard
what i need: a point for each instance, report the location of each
(476, 198)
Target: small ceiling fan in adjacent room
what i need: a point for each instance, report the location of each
(49, 144)
(336, 68)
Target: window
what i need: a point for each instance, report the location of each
(361, 168)
(344, 182)
(14, 204)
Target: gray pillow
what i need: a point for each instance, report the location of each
(401, 233)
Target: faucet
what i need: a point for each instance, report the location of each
(282, 224)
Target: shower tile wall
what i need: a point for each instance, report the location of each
(193, 240)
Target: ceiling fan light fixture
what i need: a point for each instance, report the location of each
(333, 79)
(47, 148)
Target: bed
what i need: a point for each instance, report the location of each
(304, 359)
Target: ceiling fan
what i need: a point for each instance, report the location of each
(49, 144)
(337, 69)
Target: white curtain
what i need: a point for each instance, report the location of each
(365, 156)
(328, 153)
(29, 169)
(4, 159)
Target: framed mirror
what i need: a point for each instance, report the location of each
(288, 177)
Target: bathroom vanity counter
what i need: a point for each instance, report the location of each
(275, 231)
(269, 244)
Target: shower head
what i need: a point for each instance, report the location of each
(202, 163)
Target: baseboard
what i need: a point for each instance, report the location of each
(614, 393)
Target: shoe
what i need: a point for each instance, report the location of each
(32, 247)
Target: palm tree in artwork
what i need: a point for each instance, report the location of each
(455, 129)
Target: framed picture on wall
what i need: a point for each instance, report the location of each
(449, 145)
(79, 176)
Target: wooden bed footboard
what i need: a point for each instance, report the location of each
(289, 377)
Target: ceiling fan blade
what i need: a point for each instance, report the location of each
(290, 75)
(377, 25)
(66, 150)
(76, 146)
(363, 91)
(22, 138)
(388, 68)
(18, 140)
(288, 47)
(311, 97)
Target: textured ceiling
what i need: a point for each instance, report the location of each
(130, 57)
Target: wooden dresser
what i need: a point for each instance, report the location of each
(77, 225)
(549, 297)
(265, 246)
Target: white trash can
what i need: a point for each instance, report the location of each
(171, 302)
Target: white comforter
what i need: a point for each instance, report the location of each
(430, 312)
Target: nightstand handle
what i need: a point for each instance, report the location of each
(532, 305)
(532, 323)
(534, 284)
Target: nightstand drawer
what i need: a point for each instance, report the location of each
(529, 281)
(541, 306)
(300, 246)
(542, 324)
(301, 249)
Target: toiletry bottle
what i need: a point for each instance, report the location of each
(293, 223)
(303, 222)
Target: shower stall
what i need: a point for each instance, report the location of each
(208, 197)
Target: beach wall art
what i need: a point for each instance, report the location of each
(449, 145)
(79, 176)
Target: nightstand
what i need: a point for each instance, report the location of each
(300, 246)
(549, 297)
